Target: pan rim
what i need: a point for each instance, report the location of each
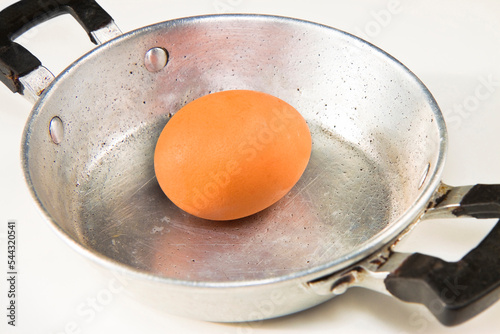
(379, 240)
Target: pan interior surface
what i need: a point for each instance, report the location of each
(377, 148)
(311, 225)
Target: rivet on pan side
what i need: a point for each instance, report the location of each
(424, 176)
(56, 130)
(156, 58)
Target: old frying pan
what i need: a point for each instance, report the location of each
(379, 142)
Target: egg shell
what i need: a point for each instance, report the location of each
(230, 154)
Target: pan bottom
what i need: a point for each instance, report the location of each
(341, 201)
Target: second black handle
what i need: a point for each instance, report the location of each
(456, 291)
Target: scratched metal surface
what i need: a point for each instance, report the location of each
(139, 226)
(374, 131)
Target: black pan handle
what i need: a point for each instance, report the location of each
(15, 60)
(456, 291)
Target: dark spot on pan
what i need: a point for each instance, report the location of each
(442, 198)
(438, 200)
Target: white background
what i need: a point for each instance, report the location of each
(452, 46)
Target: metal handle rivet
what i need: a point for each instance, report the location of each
(56, 130)
(156, 58)
(424, 176)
